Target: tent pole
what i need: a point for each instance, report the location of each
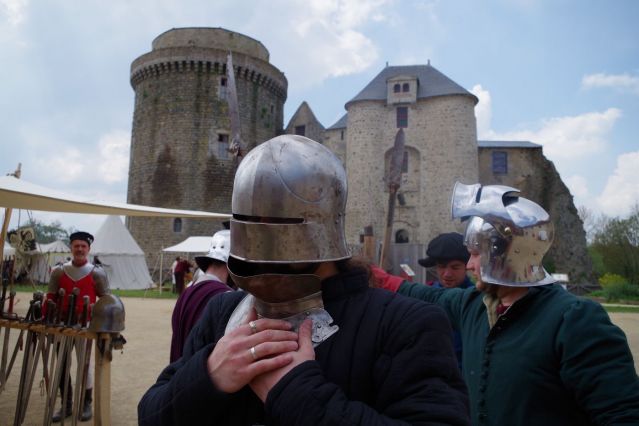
(5, 223)
(161, 264)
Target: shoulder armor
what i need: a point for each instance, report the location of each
(101, 281)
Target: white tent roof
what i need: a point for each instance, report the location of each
(191, 245)
(114, 238)
(122, 258)
(55, 247)
(19, 194)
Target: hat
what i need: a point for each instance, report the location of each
(219, 250)
(445, 247)
(81, 235)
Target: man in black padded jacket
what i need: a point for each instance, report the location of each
(307, 341)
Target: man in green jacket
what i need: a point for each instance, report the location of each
(533, 353)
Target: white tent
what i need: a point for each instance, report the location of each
(122, 257)
(191, 245)
(44, 257)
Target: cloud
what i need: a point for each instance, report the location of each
(571, 137)
(570, 142)
(578, 186)
(13, 11)
(483, 112)
(620, 82)
(328, 38)
(113, 150)
(621, 191)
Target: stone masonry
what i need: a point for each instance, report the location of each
(181, 127)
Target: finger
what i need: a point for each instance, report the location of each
(269, 336)
(269, 364)
(305, 332)
(270, 349)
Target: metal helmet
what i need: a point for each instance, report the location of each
(219, 249)
(511, 233)
(107, 315)
(288, 203)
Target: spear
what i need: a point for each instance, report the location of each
(235, 145)
(394, 182)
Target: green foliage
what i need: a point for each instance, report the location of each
(608, 280)
(597, 261)
(621, 291)
(616, 288)
(617, 241)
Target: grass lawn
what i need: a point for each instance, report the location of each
(153, 293)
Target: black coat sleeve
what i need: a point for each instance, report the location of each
(184, 393)
(415, 373)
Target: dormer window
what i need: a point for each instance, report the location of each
(405, 87)
(396, 88)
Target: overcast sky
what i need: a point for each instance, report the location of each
(560, 73)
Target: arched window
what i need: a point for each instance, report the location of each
(177, 225)
(405, 87)
(401, 236)
(396, 88)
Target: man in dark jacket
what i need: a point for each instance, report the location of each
(533, 353)
(308, 341)
(447, 253)
(193, 300)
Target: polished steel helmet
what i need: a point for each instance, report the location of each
(512, 234)
(219, 249)
(288, 203)
(107, 315)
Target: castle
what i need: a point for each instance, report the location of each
(181, 124)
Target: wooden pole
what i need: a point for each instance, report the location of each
(102, 386)
(5, 224)
(369, 244)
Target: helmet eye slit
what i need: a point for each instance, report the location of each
(264, 219)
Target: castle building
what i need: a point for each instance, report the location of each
(181, 127)
(441, 148)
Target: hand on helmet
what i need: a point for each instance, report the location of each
(254, 348)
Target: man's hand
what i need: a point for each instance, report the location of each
(257, 347)
(263, 383)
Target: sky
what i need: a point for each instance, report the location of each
(560, 73)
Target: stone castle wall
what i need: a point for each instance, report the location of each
(441, 144)
(178, 157)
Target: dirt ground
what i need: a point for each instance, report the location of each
(135, 369)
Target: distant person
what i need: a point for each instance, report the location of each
(182, 268)
(448, 254)
(173, 266)
(193, 300)
(92, 282)
(534, 354)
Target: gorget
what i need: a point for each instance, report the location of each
(294, 312)
(76, 273)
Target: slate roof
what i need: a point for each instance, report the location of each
(431, 83)
(341, 123)
(507, 144)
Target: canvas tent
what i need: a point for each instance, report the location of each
(191, 245)
(122, 257)
(45, 257)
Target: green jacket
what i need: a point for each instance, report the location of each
(551, 359)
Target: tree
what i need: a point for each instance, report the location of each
(618, 244)
(47, 233)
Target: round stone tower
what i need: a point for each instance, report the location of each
(181, 127)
